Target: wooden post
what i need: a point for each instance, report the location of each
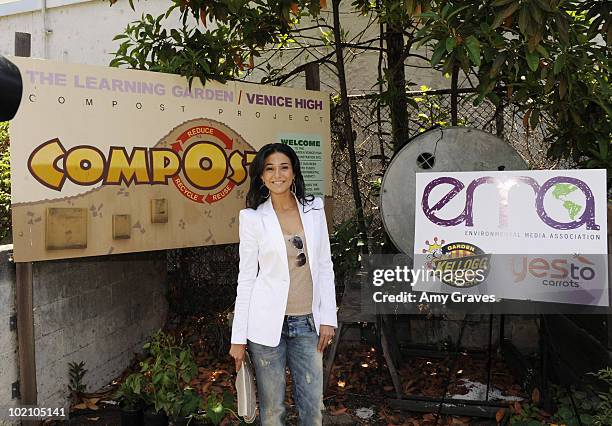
(313, 79)
(499, 119)
(455, 95)
(23, 44)
(313, 82)
(24, 290)
(25, 334)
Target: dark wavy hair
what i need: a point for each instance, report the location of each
(258, 192)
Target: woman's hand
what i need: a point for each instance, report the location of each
(326, 333)
(237, 352)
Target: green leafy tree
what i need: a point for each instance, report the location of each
(604, 407)
(549, 58)
(5, 184)
(215, 39)
(398, 22)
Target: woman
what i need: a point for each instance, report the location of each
(286, 302)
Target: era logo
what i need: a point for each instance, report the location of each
(504, 185)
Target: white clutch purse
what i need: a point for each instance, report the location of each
(245, 388)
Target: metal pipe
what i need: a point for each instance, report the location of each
(45, 30)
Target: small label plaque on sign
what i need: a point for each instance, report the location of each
(122, 226)
(66, 228)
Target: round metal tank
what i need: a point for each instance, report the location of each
(453, 149)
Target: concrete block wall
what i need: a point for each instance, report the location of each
(8, 339)
(99, 310)
(79, 32)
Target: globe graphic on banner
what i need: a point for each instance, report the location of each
(565, 192)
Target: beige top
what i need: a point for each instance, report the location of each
(299, 300)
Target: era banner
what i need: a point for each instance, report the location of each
(522, 235)
(108, 160)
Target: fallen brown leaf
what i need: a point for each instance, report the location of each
(500, 415)
(393, 419)
(526, 119)
(339, 410)
(92, 406)
(203, 15)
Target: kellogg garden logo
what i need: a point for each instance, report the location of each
(458, 264)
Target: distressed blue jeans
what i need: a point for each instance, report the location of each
(298, 348)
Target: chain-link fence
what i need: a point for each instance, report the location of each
(426, 110)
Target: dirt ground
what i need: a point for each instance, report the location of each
(110, 416)
(359, 389)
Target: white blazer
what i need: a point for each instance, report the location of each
(263, 280)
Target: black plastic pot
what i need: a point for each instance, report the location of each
(178, 421)
(196, 422)
(155, 418)
(131, 416)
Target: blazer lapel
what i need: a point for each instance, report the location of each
(276, 234)
(309, 233)
(273, 227)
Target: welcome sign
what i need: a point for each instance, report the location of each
(524, 235)
(108, 160)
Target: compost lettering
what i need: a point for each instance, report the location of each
(195, 162)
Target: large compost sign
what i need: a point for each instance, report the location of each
(108, 160)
